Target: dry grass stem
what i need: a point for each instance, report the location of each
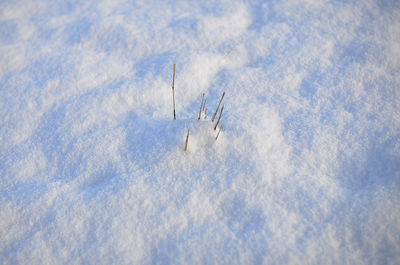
(219, 118)
(216, 111)
(173, 92)
(201, 106)
(187, 139)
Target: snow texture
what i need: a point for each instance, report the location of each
(306, 169)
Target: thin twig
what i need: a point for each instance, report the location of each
(219, 118)
(220, 128)
(187, 139)
(204, 105)
(173, 92)
(205, 114)
(201, 106)
(216, 111)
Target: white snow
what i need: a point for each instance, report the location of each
(306, 169)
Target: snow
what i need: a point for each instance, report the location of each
(306, 169)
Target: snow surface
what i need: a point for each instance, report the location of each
(306, 169)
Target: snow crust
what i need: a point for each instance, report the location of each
(306, 169)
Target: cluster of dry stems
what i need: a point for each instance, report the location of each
(202, 109)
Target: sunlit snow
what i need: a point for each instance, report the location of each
(306, 169)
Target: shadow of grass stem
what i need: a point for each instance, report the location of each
(220, 128)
